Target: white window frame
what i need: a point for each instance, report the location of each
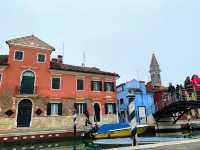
(79, 109)
(97, 81)
(22, 55)
(38, 57)
(110, 104)
(110, 86)
(52, 83)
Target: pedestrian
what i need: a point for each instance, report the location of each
(188, 87)
(171, 91)
(178, 92)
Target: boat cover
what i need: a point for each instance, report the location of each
(115, 126)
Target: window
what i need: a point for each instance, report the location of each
(19, 55)
(96, 85)
(41, 58)
(55, 83)
(81, 108)
(54, 109)
(110, 108)
(80, 84)
(109, 86)
(121, 101)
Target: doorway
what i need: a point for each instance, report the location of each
(97, 115)
(24, 113)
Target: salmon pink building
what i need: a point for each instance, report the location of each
(39, 92)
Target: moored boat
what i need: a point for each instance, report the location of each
(119, 130)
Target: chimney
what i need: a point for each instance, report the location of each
(54, 60)
(60, 59)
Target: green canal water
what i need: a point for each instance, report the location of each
(78, 144)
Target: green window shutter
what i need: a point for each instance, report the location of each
(59, 108)
(105, 86)
(114, 109)
(92, 87)
(55, 83)
(100, 85)
(106, 108)
(112, 87)
(84, 107)
(80, 85)
(48, 109)
(75, 107)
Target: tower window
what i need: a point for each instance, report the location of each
(41, 58)
(19, 55)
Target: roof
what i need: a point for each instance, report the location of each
(30, 41)
(93, 70)
(154, 60)
(151, 88)
(3, 59)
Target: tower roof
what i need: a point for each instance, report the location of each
(154, 63)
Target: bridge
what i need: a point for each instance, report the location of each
(170, 107)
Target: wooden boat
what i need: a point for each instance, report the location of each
(113, 131)
(120, 130)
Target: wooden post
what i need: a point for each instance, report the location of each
(132, 118)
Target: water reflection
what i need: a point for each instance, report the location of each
(78, 144)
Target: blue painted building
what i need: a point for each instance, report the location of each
(144, 102)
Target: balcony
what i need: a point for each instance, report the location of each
(26, 92)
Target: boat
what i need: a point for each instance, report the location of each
(119, 130)
(113, 131)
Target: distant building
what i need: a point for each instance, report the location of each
(155, 72)
(144, 102)
(39, 92)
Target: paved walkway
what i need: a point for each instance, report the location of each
(181, 145)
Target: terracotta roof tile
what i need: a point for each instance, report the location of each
(30, 41)
(93, 70)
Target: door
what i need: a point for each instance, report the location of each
(27, 83)
(24, 113)
(97, 117)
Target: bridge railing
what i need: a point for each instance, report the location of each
(184, 95)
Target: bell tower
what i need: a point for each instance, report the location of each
(155, 72)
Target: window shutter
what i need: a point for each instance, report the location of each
(75, 107)
(48, 109)
(100, 84)
(84, 107)
(92, 88)
(113, 87)
(106, 108)
(114, 109)
(60, 109)
(105, 86)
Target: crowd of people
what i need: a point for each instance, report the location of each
(189, 91)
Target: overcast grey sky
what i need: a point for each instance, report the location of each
(116, 35)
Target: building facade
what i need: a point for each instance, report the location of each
(39, 92)
(144, 102)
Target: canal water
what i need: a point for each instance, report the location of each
(70, 144)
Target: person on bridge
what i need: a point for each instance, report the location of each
(172, 91)
(189, 88)
(178, 92)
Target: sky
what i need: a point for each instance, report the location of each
(115, 35)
